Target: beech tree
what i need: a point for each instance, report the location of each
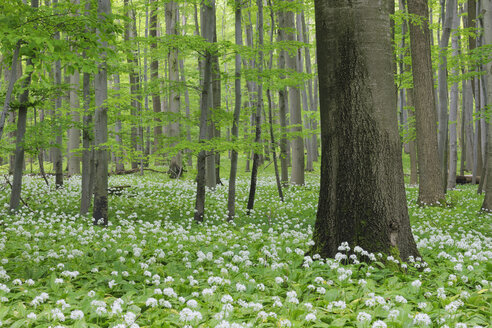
(487, 21)
(430, 181)
(100, 210)
(362, 196)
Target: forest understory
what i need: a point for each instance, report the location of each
(154, 266)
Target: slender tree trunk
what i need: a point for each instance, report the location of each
(297, 174)
(186, 96)
(88, 151)
(21, 130)
(304, 95)
(208, 14)
(154, 75)
(259, 107)
(453, 112)
(216, 105)
(283, 104)
(430, 181)
(231, 199)
(57, 150)
(100, 210)
(362, 199)
(74, 132)
(487, 22)
(411, 143)
(119, 163)
(176, 164)
(11, 81)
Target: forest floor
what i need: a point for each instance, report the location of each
(154, 267)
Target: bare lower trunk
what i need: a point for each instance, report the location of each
(19, 144)
(231, 198)
(208, 14)
(259, 107)
(453, 114)
(430, 178)
(283, 105)
(487, 20)
(362, 200)
(74, 132)
(297, 173)
(100, 209)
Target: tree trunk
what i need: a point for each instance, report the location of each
(487, 22)
(231, 198)
(74, 131)
(297, 173)
(259, 107)
(448, 16)
(411, 143)
(120, 165)
(154, 76)
(208, 21)
(176, 164)
(100, 210)
(430, 181)
(363, 196)
(283, 104)
(11, 81)
(453, 112)
(57, 150)
(21, 130)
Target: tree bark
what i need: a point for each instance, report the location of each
(297, 173)
(100, 210)
(453, 112)
(154, 76)
(176, 163)
(430, 181)
(208, 21)
(283, 104)
(74, 131)
(57, 150)
(411, 143)
(231, 197)
(259, 107)
(487, 20)
(362, 199)
(21, 130)
(11, 81)
(448, 16)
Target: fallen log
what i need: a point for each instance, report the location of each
(466, 179)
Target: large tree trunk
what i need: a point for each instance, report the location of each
(487, 20)
(259, 108)
(100, 210)
(176, 164)
(231, 198)
(297, 173)
(362, 199)
(208, 21)
(430, 181)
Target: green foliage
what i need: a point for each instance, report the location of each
(154, 262)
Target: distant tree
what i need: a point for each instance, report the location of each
(430, 181)
(362, 196)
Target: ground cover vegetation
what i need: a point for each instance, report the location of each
(226, 163)
(154, 267)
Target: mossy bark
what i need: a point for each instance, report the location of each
(362, 197)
